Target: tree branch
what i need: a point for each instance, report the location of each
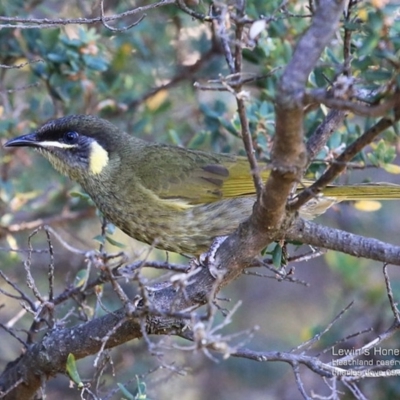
(324, 131)
(268, 221)
(345, 242)
(341, 162)
(54, 220)
(289, 154)
(321, 96)
(41, 23)
(49, 356)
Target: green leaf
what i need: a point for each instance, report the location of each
(110, 228)
(174, 137)
(80, 195)
(70, 42)
(252, 56)
(287, 50)
(73, 55)
(81, 277)
(319, 77)
(391, 168)
(100, 239)
(57, 57)
(197, 140)
(352, 26)
(369, 44)
(277, 28)
(335, 140)
(375, 21)
(126, 392)
(363, 63)
(277, 256)
(377, 75)
(228, 125)
(295, 243)
(73, 371)
(141, 390)
(371, 157)
(95, 63)
(265, 109)
(382, 153)
(115, 243)
(332, 56)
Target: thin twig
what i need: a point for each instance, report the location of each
(42, 23)
(233, 80)
(389, 291)
(54, 220)
(194, 14)
(221, 11)
(321, 96)
(29, 278)
(184, 72)
(22, 65)
(50, 273)
(300, 386)
(354, 390)
(306, 345)
(11, 332)
(112, 29)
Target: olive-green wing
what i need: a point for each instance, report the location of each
(195, 177)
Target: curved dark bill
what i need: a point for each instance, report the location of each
(29, 140)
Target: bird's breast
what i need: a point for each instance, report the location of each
(171, 225)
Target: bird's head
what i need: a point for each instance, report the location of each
(76, 145)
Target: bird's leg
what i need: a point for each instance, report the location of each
(209, 259)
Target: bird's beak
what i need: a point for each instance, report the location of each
(29, 140)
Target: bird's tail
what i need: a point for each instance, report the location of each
(365, 191)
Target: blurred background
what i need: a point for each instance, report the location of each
(142, 80)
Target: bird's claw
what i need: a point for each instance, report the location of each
(208, 259)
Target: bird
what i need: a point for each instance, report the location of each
(171, 197)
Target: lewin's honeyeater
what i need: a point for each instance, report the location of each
(175, 198)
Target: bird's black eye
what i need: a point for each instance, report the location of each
(70, 137)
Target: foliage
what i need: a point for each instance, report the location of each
(151, 80)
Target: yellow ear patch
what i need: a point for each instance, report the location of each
(98, 158)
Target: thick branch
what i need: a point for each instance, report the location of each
(349, 243)
(324, 131)
(48, 357)
(289, 156)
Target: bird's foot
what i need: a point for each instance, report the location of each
(209, 258)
